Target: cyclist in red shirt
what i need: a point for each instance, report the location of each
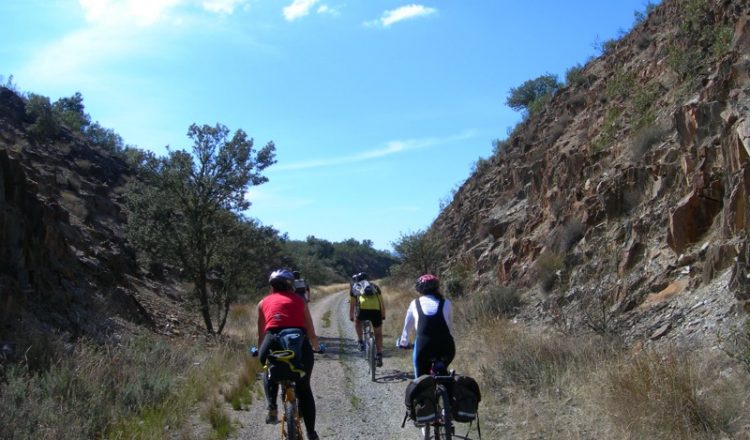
(284, 309)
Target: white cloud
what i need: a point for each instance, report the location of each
(325, 9)
(390, 148)
(222, 6)
(140, 12)
(400, 14)
(298, 9)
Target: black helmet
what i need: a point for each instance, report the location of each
(281, 279)
(360, 276)
(427, 284)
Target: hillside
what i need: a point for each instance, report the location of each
(621, 205)
(65, 266)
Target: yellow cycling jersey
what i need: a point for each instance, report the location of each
(369, 302)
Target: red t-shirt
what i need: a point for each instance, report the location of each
(283, 310)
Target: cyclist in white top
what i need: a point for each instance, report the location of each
(431, 317)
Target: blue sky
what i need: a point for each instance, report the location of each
(378, 108)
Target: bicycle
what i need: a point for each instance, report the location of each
(442, 425)
(370, 349)
(291, 421)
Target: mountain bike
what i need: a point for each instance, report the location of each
(291, 421)
(370, 349)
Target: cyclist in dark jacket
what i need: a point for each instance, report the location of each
(431, 318)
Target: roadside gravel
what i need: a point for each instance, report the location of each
(349, 404)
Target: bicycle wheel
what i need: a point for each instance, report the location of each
(444, 431)
(291, 426)
(371, 358)
(426, 432)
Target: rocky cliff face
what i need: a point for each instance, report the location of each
(622, 205)
(65, 266)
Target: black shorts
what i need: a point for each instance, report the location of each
(372, 316)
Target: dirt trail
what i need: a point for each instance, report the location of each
(349, 404)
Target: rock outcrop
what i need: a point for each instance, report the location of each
(635, 175)
(65, 265)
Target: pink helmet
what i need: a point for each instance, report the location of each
(427, 283)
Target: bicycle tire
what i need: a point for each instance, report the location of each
(371, 359)
(291, 421)
(426, 432)
(444, 431)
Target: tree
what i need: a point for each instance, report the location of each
(72, 112)
(185, 210)
(529, 95)
(419, 253)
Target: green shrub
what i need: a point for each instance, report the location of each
(46, 124)
(644, 111)
(547, 269)
(533, 94)
(620, 86)
(644, 140)
(611, 126)
(493, 303)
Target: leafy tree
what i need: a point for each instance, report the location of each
(71, 112)
(46, 123)
(104, 137)
(531, 93)
(184, 211)
(418, 252)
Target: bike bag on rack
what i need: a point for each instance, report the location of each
(287, 364)
(465, 398)
(420, 399)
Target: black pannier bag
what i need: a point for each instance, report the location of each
(286, 369)
(420, 399)
(465, 399)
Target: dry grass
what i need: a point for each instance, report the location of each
(131, 390)
(664, 394)
(537, 383)
(317, 292)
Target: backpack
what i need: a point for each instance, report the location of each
(300, 286)
(420, 399)
(364, 288)
(292, 369)
(465, 398)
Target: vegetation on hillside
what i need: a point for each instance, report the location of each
(323, 262)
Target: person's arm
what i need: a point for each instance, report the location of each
(352, 298)
(408, 324)
(261, 325)
(448, 314)
(382, 306)
(310, 328)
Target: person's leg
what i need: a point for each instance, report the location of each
(379, 339)
(272, 390)
(358, 329)
(305, 394)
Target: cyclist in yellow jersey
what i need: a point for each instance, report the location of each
(366, 304)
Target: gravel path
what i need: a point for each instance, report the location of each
(349, 404)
